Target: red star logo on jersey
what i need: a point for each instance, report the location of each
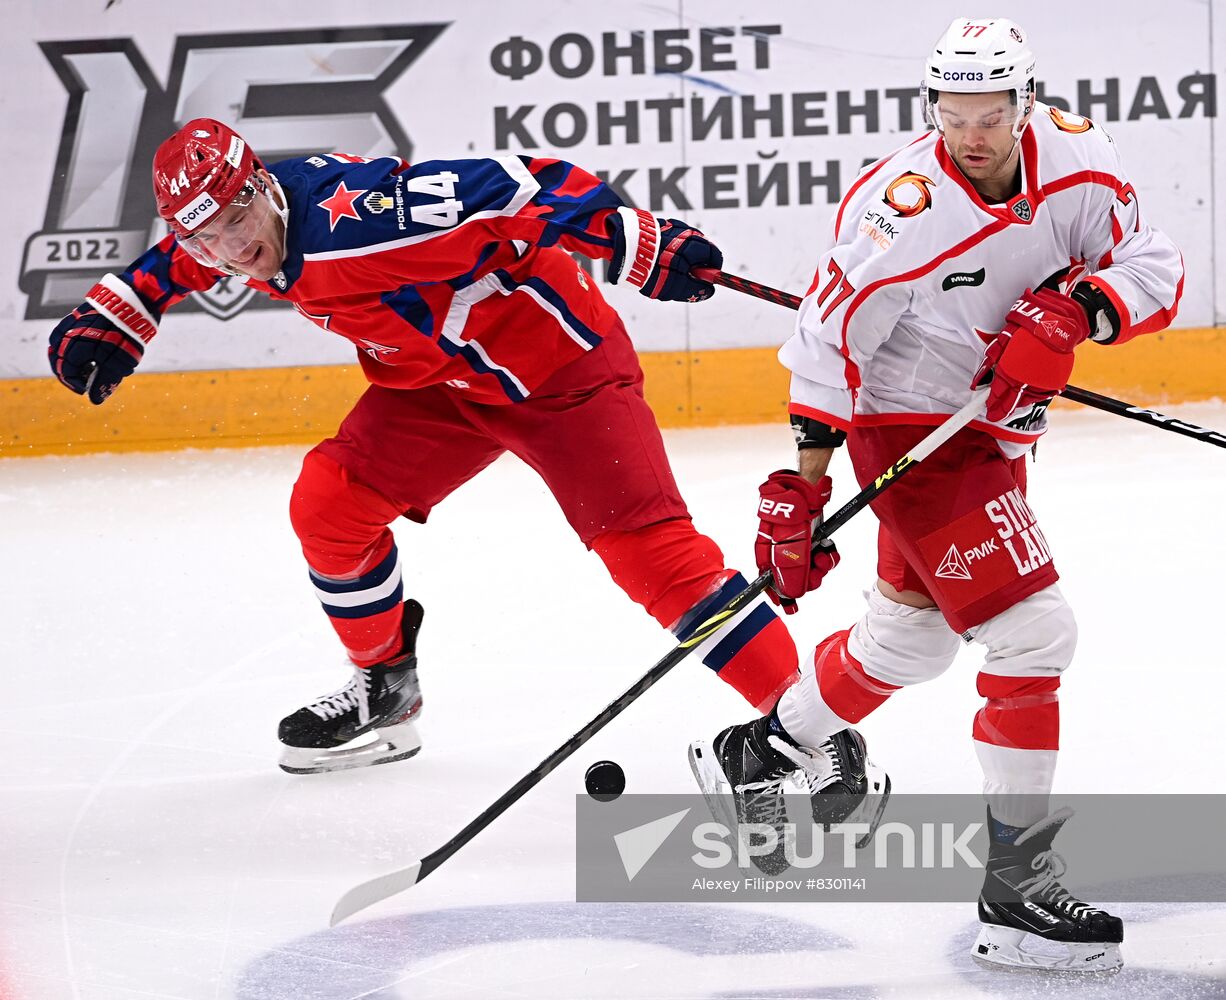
(339, 205)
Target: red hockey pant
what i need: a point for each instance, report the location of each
(958, 529)
(590, 435)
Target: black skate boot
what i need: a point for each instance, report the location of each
(850, 788)
(1030, 920)
(382, 699)
(747, 771)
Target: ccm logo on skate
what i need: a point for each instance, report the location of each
(1043, 914)
(768, 506)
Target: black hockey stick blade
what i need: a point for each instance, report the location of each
(1071, 392)
(384, 886)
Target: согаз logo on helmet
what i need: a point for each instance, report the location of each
(193, 215)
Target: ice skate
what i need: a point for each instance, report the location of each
(1030, 921)
(747, 771)
(379, 703)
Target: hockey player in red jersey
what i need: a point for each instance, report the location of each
(992, 248)
(480, 335)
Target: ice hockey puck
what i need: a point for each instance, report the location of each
(605, 780)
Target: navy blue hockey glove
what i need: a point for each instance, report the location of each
(100, 343)
(657, 256)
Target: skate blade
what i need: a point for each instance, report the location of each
(873, 807)
(1013, 948)
(714, 783)
(390, 744)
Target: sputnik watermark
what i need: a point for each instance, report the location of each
(776, 886)
(895, 845)
(928, 848)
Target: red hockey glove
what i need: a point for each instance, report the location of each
(100, 343)
(788, 508)
(1032, 358)
(657, 255)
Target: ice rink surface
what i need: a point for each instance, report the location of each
(157, 622)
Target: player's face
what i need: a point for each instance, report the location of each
(978, 130)
(248, 235)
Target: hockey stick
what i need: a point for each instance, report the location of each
(1072, 392)
(384, 886)
(1151, 417)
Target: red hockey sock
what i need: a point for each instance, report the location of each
(352, 557)
(843, 682)
(1021, 712)
(679, 576)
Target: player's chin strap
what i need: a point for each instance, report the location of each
(280, 204)
(1072, 392)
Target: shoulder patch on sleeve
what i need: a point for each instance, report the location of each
(883, 216)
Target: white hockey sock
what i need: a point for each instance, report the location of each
(1016, 783)
(804, 713)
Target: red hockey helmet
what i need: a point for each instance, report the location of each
(198, 171)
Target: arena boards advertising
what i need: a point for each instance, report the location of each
(748, 123)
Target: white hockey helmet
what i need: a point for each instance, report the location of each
(978, 56)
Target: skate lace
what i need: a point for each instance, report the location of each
(765, 799)
(820, 768)
(354, 695)
(1050, 867)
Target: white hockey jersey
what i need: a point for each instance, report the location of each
(922, 272)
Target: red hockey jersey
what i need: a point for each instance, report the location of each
(450, 271)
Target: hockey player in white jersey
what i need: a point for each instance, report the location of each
(988, 248)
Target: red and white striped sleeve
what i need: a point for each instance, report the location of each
(1136, 266)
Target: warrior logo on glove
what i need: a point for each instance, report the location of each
(658, 256)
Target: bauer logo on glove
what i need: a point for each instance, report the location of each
(789, 508)
(1032, 358)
